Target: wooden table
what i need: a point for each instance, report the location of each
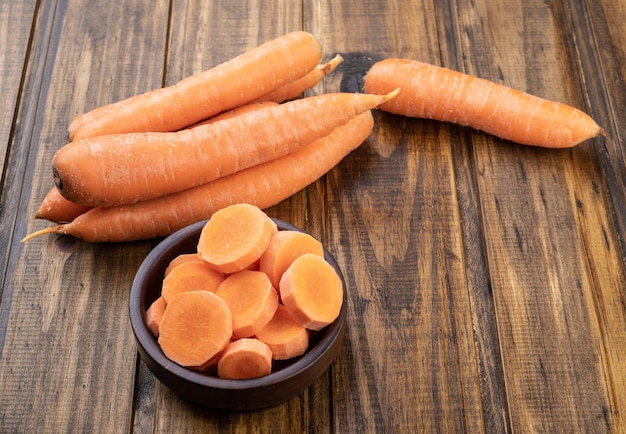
(486, 279)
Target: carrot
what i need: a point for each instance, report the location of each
(284, 336)
(190, 276)
(235, 237)
(264, 185)
(180, 259)
(127, 168)
(154, 314)
(210, 366)
(57, 209)
(196, 325)
(246, 108)
(311, 291)
(284, 247)
(252, 301)
(230, 84)
(245, 358)
(292, 90)
(442, 94)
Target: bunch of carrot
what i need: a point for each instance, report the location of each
(249, 295)
(154, 163)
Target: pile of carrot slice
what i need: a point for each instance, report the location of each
(249, 295)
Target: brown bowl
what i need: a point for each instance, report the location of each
(289, 378)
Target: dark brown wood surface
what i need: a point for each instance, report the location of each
(486, 279)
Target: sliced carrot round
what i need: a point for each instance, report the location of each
(252, 301)
(245, 358)
(285, 337)
(195, 327)
(284, 247)
(154, 314)
(312, 291)
(191, 276)
(180, 259)
(235, 237)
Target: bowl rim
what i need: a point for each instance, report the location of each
(149, 344)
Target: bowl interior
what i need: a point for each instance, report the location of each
(288, 378)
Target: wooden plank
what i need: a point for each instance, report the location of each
(603, 56)
(15, 24)
(202, 35)
(16, 20)
(493, 393)
(394, 222)
(549, 249)
(68, 358)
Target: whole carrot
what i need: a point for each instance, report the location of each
(263, 185)
(122, 169)
(57, 209)
(432, 92)
(242, 79)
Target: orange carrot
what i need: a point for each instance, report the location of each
(57, 209)
(127, 168)
(196, 325)
(252, 301)
(180, 259)
(311, 291)
(246, 108)
(190, 276)
(245, 358)
(154, 314)
(264, 185)
(235, 237)
(297, 87)
(210, 366)
(284, 247)
(231, 84)
(428, 91)
(284, 336)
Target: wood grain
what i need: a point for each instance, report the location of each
(203, 35)
(486, 279)
(67, 343)
(537, 222)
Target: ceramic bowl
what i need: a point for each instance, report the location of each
(288, 378)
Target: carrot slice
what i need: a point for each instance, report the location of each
(285, 337)
(252, 301)
(284, 247)
(210, 366)
(180, 259)
(245, 358)
(154, 315)
(312, 291)
(191, 276)
(235, 237)
(195, 327)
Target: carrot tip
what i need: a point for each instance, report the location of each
(50, 230)
(332, 64)
(392, 94)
